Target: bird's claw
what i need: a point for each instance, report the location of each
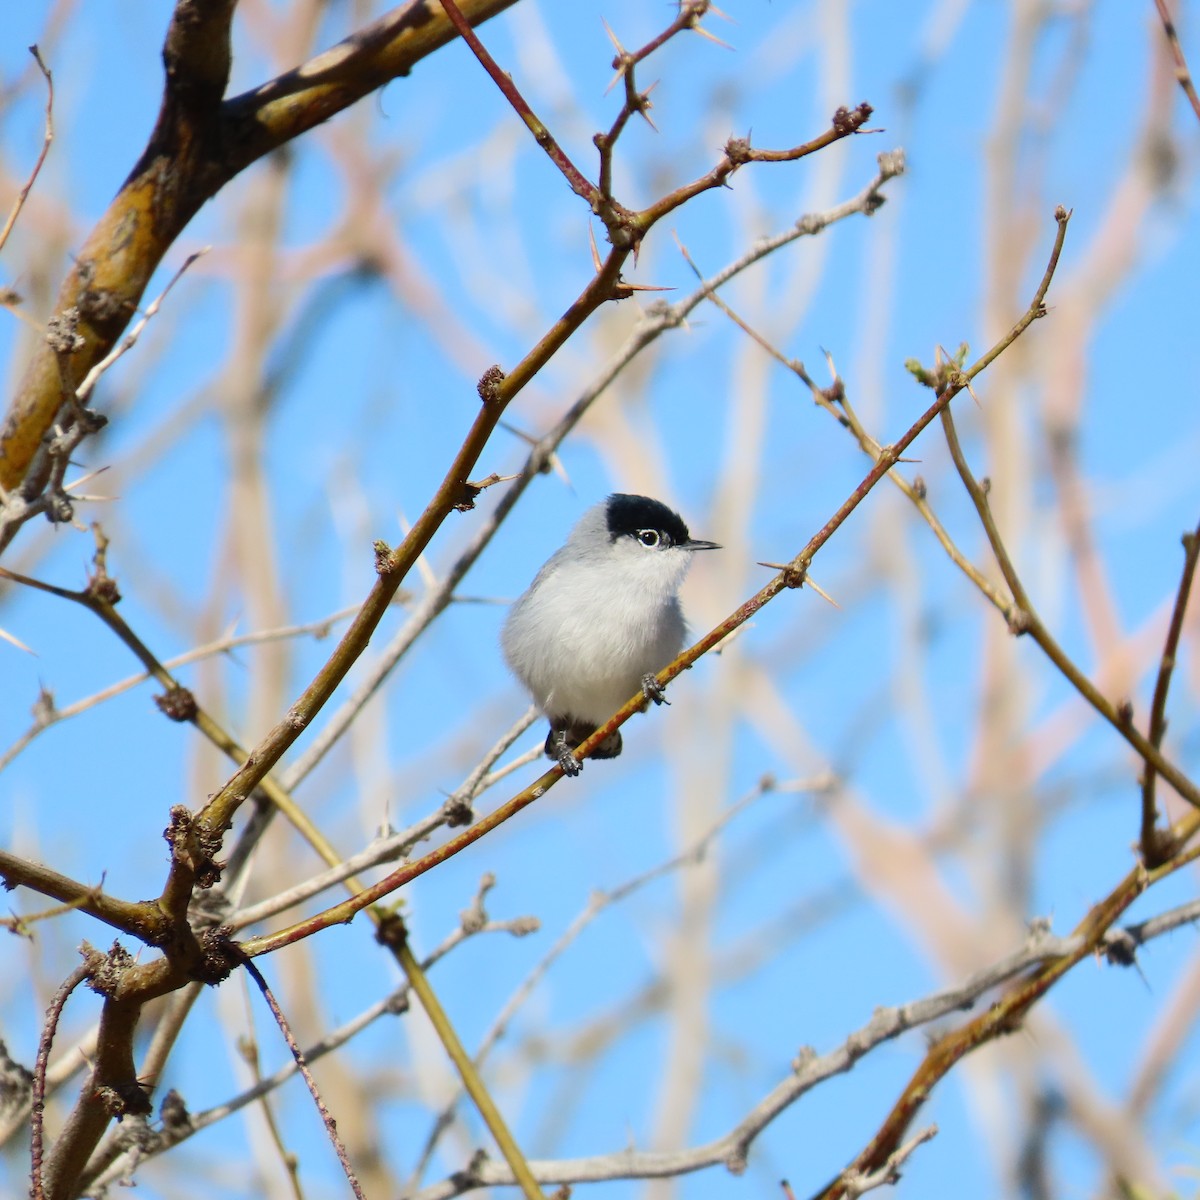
(653, 690)
(569, 764)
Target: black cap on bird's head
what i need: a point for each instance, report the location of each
(649, 521)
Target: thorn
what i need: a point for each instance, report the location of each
(821, 592)
(553, 462)
(84, 478)
(596, 264)
(491, 481)
(796, 579)
(16, 641)
(624, 288)
(712, 37)
(612, 37)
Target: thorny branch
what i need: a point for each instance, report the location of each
(791, 577)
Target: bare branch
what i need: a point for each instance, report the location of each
(47, 138)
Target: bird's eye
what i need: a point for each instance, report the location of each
(648, 537)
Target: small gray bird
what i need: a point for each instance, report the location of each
(601, 619)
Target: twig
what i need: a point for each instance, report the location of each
(298, 1055)
(791, 577)
(394, 1004)
(597, 904)
(1182, 74)
(47, 713)
(38, 1097)
(580, 185)
(47, 138)
(1154, 851)
(833, 398)
(1024, 619)
(689, 16)
(248, 1051)
(855, 1183)
(85, 389)
(468, 1074)
(738, 152)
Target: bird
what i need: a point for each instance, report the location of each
(601, 619)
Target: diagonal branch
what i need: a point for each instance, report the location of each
(1026, 620)
(580, 185)
(792, 576)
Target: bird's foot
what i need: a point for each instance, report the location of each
(653, 690)
(558, 748)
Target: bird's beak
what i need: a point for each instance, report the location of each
(697, 544)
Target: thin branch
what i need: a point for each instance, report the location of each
(47, 138)
(1025, 620)
(38, 1097)
(1182, 74)
(833, 398)
(48, 714)
(580, 185)
(298, 1055)
(738, 152)
(468, 1073)
(84, 390)
(856, 1183)
(1153, 851)
(791, 577)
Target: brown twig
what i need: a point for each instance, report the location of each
(1182, 74)
(1154, 851)
(47, 138)
(689, 16)
(47, 713)
(84, 390)
(37, 1119)
(792, 576)
(298, 1055)
(738, 152)
(580, 185)
(833, 399)
(1023, 619)
(655, 323)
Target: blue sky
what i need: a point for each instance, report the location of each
(379, 391)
